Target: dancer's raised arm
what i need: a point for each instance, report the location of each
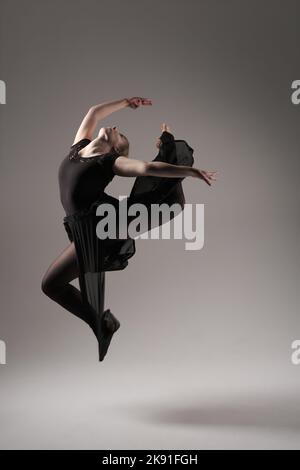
(94, 115)
(100, 111)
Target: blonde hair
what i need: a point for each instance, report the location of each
(123, 149)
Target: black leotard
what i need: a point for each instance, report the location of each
(83, 180)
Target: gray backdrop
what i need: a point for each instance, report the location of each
(203, 355)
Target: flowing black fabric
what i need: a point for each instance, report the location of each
(96, 256)
(157, 190)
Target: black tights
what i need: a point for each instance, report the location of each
(56, 285)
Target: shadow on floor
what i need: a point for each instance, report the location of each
(257, 410)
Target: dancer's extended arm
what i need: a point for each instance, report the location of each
(124, 166)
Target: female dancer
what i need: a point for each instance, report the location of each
(83, 175)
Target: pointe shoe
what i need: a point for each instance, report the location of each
(109, 324)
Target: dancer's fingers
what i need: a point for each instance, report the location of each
(206, 179)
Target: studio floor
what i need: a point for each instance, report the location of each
(146, 406)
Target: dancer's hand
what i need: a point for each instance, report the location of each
(137, 101)
(207, 176)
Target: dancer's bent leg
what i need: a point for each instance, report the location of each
(56, 285)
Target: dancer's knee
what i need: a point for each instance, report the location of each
(50, 286)
(46, 286)
(60, 273)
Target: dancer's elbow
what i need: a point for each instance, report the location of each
(147, 169)
(124, 166)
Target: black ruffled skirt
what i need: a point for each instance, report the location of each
(96, 256)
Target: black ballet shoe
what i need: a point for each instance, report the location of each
(108, 325)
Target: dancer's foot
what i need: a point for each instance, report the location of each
(109, 324)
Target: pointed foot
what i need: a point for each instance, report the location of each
(109, 324)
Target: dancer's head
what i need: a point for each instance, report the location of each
(117, 141)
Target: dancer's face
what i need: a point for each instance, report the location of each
(114, 137)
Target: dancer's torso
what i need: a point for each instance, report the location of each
(82, 181)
